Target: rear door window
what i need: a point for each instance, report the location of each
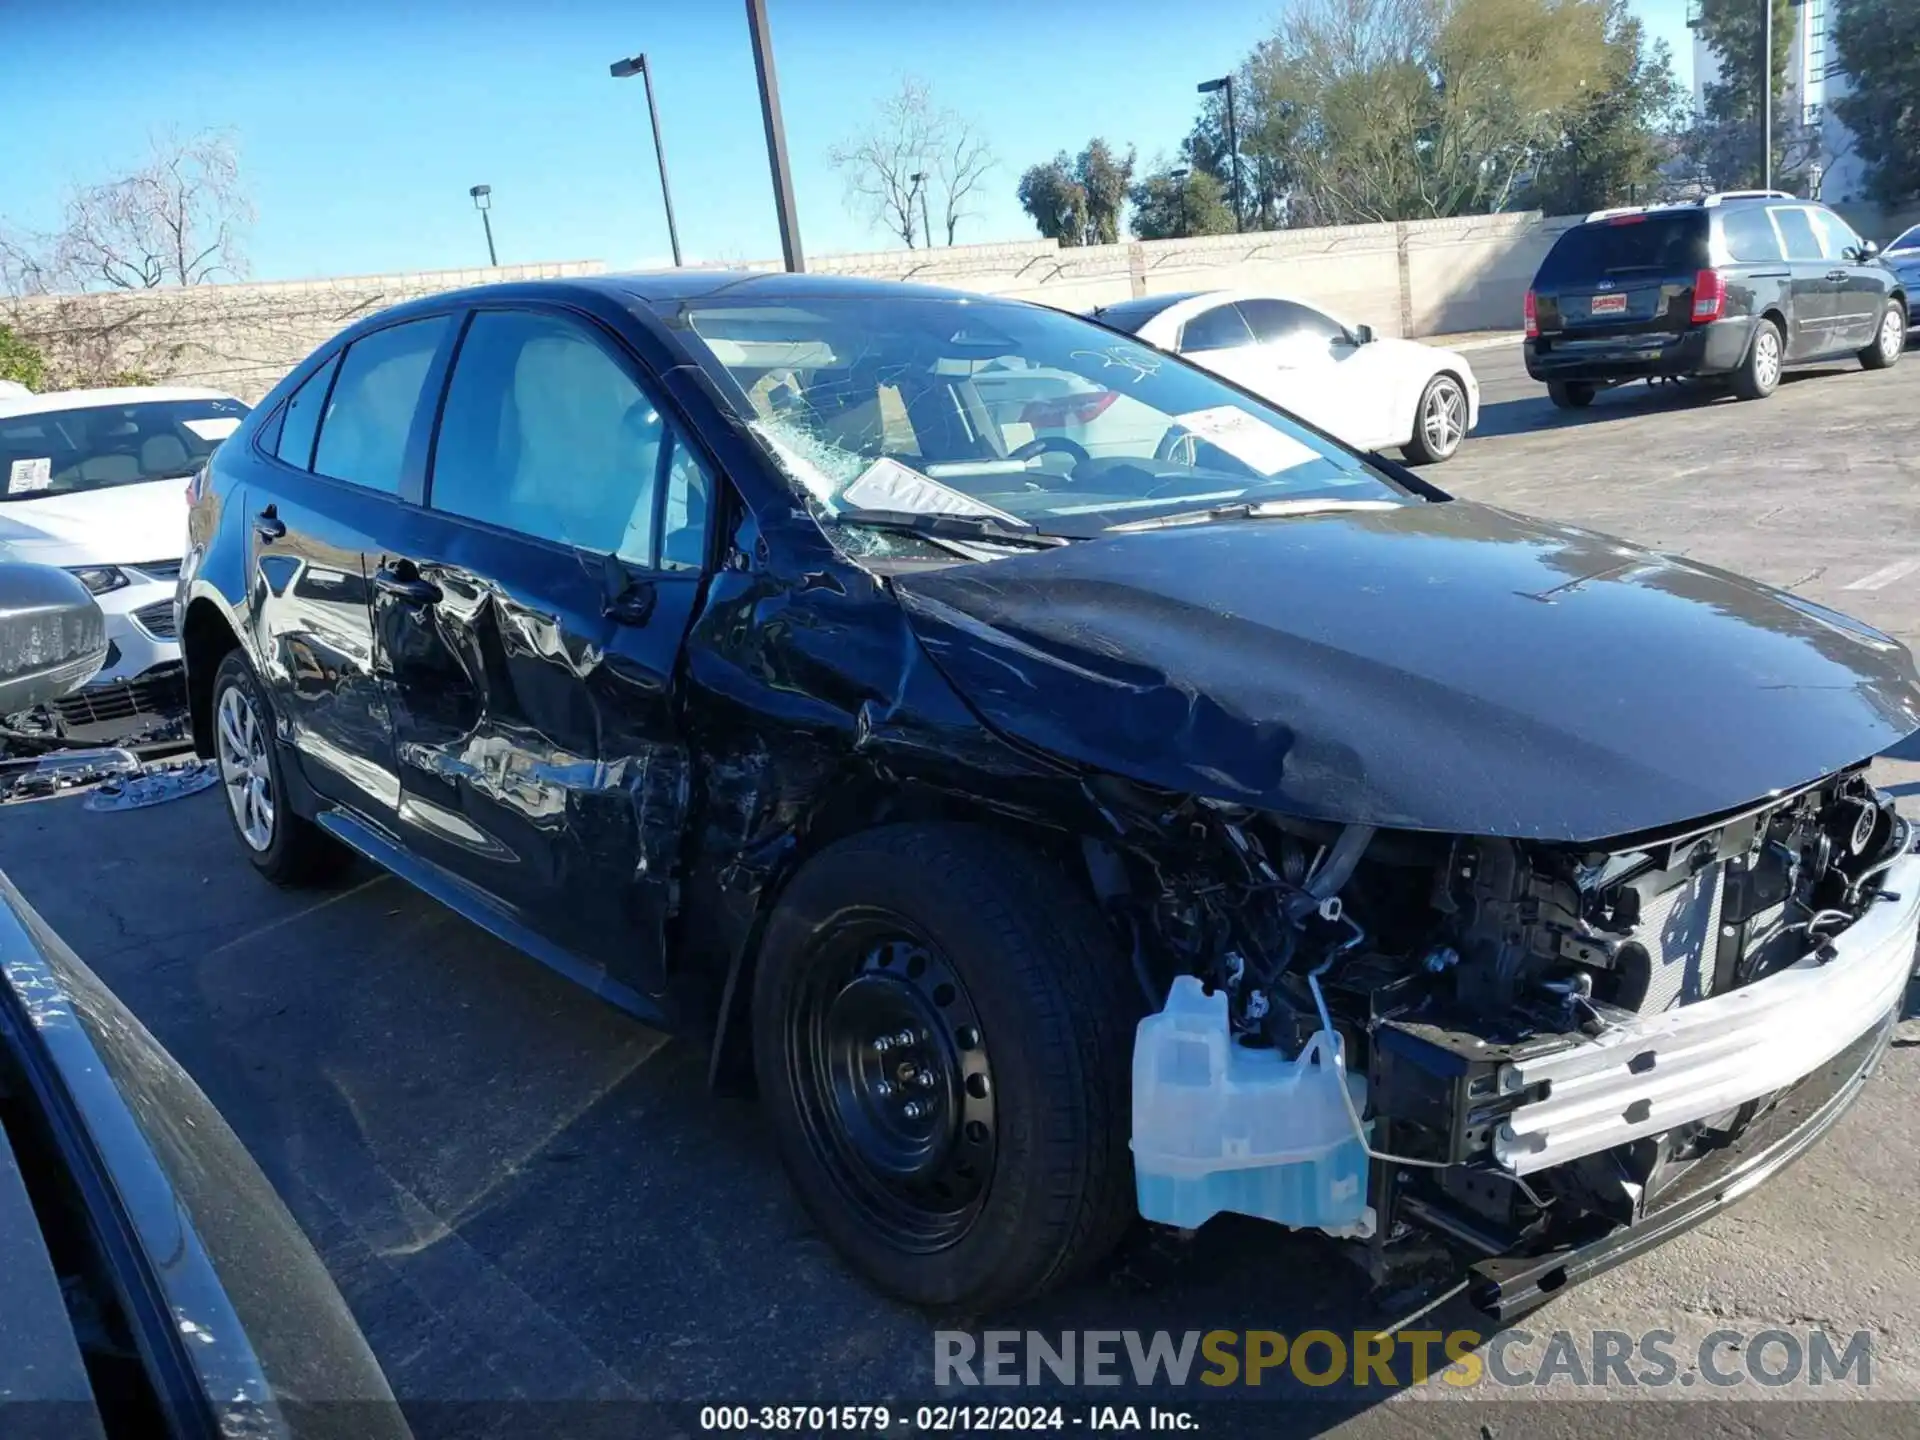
(1796, 229)
(300, 419)
(1750, 236)
(363, 437)
(1671, 244)
(1221, 328)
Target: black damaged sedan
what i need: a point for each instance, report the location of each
(1067, 786)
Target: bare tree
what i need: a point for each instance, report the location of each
(965, 161)
(914, 159)
(180, 218)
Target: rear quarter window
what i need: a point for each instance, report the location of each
(1653, 243)
(1749, 235)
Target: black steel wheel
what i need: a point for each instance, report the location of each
(894, 1080)
(942, 1036)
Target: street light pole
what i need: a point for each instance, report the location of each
(920, 179)
(776, 134)
(482, 201)
(1766, 94)
(1207, 87)
(621, 70)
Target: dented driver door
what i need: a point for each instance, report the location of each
(530, 621)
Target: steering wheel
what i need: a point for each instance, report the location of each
(1044, 443)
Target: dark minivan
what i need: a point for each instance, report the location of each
(1738, 285)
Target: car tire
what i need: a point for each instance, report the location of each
(1759, 374)
(1571, 394)
(1439, 422)
(946, 966)
(287, 848)
(1889, 341)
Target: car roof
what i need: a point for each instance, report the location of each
(649, 294)
(1193, 302)
(31, 404)
(659, 288)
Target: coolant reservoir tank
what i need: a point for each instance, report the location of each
(1218, 1126)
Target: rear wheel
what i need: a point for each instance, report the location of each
(1889, 341)
(1440, 422)
(1759, 377)
(1571, 394)
(286, 848)
(942, 1033)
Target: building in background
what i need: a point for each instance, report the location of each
(1814, 81)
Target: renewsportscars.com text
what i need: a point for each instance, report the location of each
(1721, 1361)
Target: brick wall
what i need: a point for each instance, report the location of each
(1417, 278)
(239, 338)
(1423, 277)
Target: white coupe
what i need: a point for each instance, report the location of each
(1373, 393)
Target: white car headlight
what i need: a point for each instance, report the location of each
(101, 579)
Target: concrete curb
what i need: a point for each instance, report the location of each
(1479, 342)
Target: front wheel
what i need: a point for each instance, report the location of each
(1889, 341)
(942, 1033)
(1440, 422)
(286, 848)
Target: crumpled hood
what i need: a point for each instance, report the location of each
(1440, 667)
(121, 525)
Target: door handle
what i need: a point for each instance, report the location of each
(1840, 275)
(269, 526)
(404, 582)
(633, 605)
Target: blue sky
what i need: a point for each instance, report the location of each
(362, 125)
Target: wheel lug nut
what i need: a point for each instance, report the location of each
(924, 1079)
(882, 1089)
(882, 1044)
(905, 1037)
(914, 1110)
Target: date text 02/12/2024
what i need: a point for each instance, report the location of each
(940, 1419)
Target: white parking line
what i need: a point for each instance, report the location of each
(1886, 575)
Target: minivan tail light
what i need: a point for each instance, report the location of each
(1709, 294)
(1533, 316)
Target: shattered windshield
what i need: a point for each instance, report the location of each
(1009, 415)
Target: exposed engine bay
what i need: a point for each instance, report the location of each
(1443, 962)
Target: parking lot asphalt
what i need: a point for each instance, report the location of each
(525, 1197)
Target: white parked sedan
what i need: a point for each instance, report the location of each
(1372, 393)
(95, 481)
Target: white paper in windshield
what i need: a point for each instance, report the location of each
(1249, 440)
(26, 476)
(889, 485)
(218, 428)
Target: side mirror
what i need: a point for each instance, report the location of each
(1363, 334)
(52, 637)
(1867, 249)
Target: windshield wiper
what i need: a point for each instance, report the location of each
(940, 526)
(1253, 510)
